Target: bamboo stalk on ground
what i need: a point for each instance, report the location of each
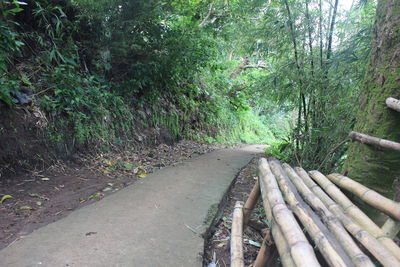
(391, 228)
(393, 103)
(301, 251)
(371, 197)
(279, 239)
(355, 212)
(377, 248)
(237, 259)
(375, 141)
(265, 252)
(334, 225)
(251, 202)
(322, 237)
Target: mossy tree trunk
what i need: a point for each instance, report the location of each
(373, 167)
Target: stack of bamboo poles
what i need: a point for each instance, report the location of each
(295, 200)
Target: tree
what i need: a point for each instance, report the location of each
(374, 167)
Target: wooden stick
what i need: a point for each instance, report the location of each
(279, 239)
(393, 103)
(371, 197)
(377, 248)
(334, 225)
(391, 228)
(322, 237)
(375, 141)
(251, 202)
(265, 252)
(301, 251)
(237, 259)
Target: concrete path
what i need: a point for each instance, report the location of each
(146, 224)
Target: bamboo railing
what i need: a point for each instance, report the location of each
(375, 141)
(296, 201)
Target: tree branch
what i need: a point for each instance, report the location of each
(207, 17)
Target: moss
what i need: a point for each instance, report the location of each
(377, 168)
(212, 212)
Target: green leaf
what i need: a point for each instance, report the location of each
(20, 3)
(4, 198)
(128, 166)
(96, 195)
(15, 10)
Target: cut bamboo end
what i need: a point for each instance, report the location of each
(393, 103)
(301, 251)
(237, 259)
(371, 197)
(375, 141)
(251, 202)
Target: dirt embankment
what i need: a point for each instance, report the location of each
(44, 196)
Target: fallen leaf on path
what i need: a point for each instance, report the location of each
(25, 208)
(96, 195)
(45, 179)
(142, 175)
(111, 163)
(128, 166)
(4, 198)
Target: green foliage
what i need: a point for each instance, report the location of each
(87, 109)
(277, 150)
(101, 68)
(9, 44)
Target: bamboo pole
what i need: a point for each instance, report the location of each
(251, 202)
(371, 197)
(265, 252)
(334, 225)
(375, 141)
(237, 259)
(377, 248)
(279, 239)
(393, 103)
(301, 251)
(322, 237)
(354, 212)
(391, 228)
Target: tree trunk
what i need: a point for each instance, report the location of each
(373, 167)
